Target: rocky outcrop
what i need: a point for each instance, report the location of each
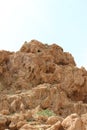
(73, 122)
(35, 64)
(40, 88)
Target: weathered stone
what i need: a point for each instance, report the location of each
(42, 77)
(53, 119)
(73, 122)
(56, 126)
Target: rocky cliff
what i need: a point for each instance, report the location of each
(41, 88)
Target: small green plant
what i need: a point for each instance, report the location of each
(46, 112)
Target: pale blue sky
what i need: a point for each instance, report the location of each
(51, 21)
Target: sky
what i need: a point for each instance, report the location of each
(63, 22)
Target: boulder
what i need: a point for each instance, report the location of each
(73, 122)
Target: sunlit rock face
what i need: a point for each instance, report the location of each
(40, 88)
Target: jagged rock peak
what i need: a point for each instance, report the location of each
(53, 50)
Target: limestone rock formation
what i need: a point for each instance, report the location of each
(73, 122)
(40, 89)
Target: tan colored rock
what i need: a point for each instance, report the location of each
(22, 107)
(73, 122)
(4, 105)
(13, 106)
(4, 57)
(41, 118)
(33, 46)
(28, 115)
(28, 127)
(20, 124)
(27, 64)
(5, 112)
(46, 103)
(56, 126)
(22, 117)
(39, 77)
(53, 119)
(12, 126)
(84, 119)
(3, 121)
(80, 107)
(27, 69)
(14, 118)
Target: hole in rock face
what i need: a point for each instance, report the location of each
(60, 113)
(38, 50)
(50, 69)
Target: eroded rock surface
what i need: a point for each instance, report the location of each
(40, 89)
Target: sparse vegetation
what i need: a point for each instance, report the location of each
(46, 112)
